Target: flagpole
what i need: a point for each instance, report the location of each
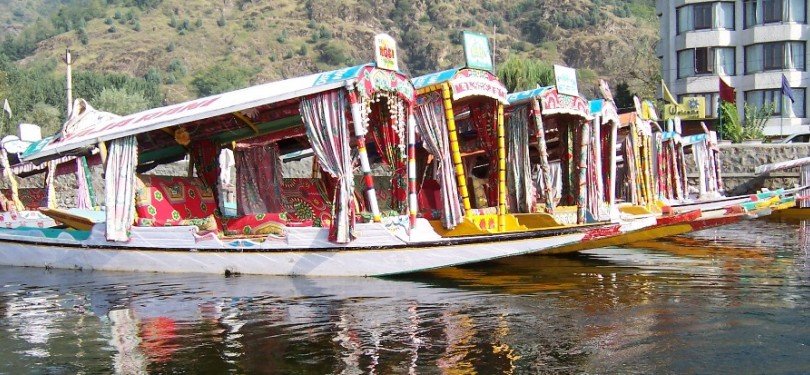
(782, 117)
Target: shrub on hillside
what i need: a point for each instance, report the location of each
(177, 68)
(153, 76)
(83, 38)
(220, 78)
(334, 52)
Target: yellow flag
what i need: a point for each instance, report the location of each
(667, 95)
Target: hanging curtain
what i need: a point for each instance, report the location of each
(205, 158)
(12, 181)
(50, 185)
(258, 179)
(484, 117)
(519, 175)
(324, 117)
(119, 192)
(432, 125)
(685, 19)
(797, 11)
(389, 138)
(83, 199)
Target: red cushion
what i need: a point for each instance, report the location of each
(168, 200)
(307, 199)
(31, 198)
(255, 224)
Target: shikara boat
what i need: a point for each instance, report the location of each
(800, 210)
(635, 171)
(320, 225)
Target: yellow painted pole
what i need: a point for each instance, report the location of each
(501, 171)
(455, 153)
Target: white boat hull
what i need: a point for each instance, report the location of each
(177, 253)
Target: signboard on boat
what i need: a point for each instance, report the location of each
(476, 51)
(690, 108)
(385, 52)
(566, 79)
(470, 82)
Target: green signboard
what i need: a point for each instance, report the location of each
(476, 51)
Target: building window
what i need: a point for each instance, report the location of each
(704, 63)
(760, 12)
(706, 60)
(774, 56)
(760, 98)
(705, 16)
(712, 101)
(772, 11)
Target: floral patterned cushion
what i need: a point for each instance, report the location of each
(31, 198)
(169, 200)
(307, 199)
(256, 224)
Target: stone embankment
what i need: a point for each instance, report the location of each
(738, 162)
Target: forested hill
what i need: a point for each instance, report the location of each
(132, 54)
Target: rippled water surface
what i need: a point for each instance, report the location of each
(731, 300)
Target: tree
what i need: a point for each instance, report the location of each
(333, 52)
(83, 38)
(177, 68)
(623, 97)
(46, 116)
(518, 73)
(153, 76)
(220, 78)
(751, 127)
(120, 101)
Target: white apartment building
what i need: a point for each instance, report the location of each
(750, 42)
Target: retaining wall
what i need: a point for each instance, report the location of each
(738, 162)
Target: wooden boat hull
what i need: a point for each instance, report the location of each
(377, 253)
(649, 233)
(666, 226)
(793, 213)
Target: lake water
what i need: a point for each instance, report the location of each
(729, 300)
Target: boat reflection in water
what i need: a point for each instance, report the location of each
(731, 299)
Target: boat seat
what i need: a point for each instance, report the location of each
(307, 199)
(430, 200)
(170, 200)
(175, 201)
(257, 224)
(31, 198)
(385, 191)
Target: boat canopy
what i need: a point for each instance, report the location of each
(644, 126)
(226, 107)
(552, 102)
(464, 82)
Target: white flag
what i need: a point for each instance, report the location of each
(7, 107)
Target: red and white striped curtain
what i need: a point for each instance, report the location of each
(432, 125)
(119, 191)
(326, 125)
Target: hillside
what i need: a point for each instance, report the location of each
(190, 48)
